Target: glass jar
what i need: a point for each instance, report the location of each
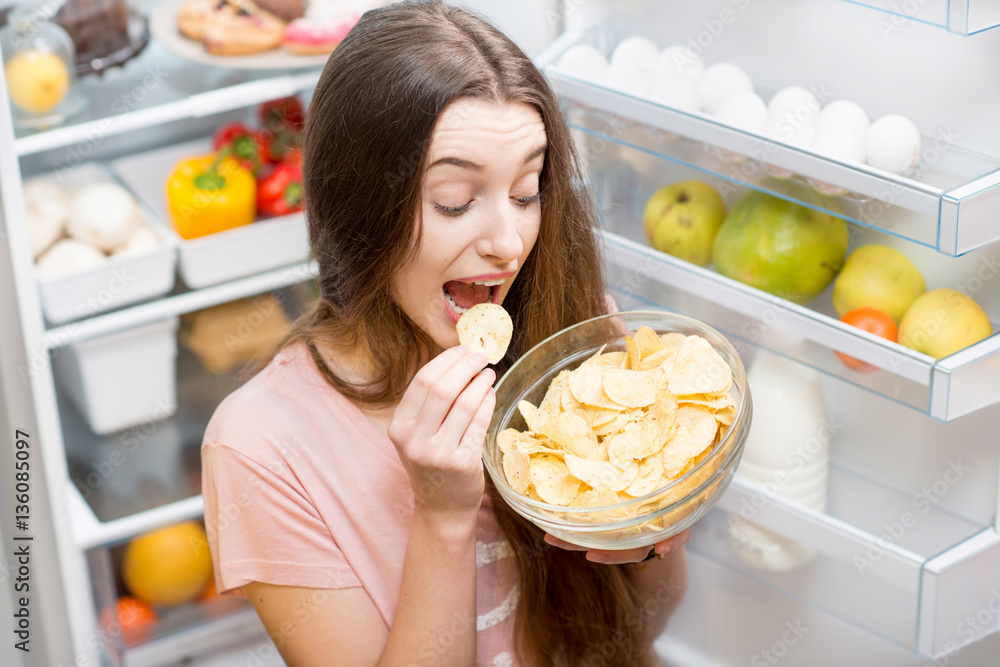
(39, 66)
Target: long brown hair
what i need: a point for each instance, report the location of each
(366, 137)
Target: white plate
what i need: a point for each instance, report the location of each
(163, 27)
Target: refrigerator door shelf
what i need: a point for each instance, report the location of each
(945, 389)
(944, 205)
(962, 18)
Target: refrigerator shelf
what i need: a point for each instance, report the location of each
(178, 303)
(947, 206)
(945, 389)
(160, 87)
(858, 583)
(962, 18)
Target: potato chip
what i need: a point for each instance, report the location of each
(532, 418)
(552, 481)
(585, 383)
(672, 341)
(648, 341)
(696, 429)
(656, 359)
(620, 422)
(486, 327)
(713, 403)
(597, 417)
(648, 479)
(515, 467)
(633, 357)
(570, 432)
(702, 371)
(569, 404)
(649, 434)
(612, 358)
(551, 405)
(602, 474)
(511, 439)
(632, 389)
(595, 498)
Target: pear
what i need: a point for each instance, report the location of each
(879, 277)
(942, 322)
(682, 220)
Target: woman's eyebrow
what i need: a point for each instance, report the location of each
(468, 164)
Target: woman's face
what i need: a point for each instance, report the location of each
(479, 213)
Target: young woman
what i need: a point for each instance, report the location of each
(343, 485)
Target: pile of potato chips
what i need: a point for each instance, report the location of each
(623, 424)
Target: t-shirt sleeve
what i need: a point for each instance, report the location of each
(261, 528)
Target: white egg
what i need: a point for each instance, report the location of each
(678, 61)
(677, 92)
(628, 78)
(845, 114)
(585, 61)
(893, 144)
(637, 52)
(794, 102)
(788, 130)
(745, 111)
(841, 143)
(720, 82)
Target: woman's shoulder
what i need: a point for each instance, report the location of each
(287, 401)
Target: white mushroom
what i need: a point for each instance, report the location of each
(103, 215)
(142, 238)
(68, 256)
(47, 207)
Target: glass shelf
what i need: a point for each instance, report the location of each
(159, 87)
(948, 205)
(147, 476)
(963, 17)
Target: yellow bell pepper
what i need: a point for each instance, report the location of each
(209, 194)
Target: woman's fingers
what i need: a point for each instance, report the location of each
(673, 543)
(413, 398)
(439, 392)
(466, 406)
(624, 556)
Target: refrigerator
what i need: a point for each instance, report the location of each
(899, 567)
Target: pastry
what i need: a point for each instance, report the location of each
(315, 36)
(239, 27)
(286, 10)
(191, 19)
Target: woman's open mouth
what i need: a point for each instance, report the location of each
(460, 295)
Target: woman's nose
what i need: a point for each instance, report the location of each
(502, 238)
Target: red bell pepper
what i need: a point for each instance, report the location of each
(284, 113)
(280, 193)
(249, 147)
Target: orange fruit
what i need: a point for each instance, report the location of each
(134, 614)
(870, 320)
(168, 566)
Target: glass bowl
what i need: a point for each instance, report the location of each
(643, 520)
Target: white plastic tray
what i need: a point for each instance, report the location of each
(124, 379)
(216, 258)
(121, 280)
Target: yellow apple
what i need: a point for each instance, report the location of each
(682, 220)
(942, 322)
(37, 80)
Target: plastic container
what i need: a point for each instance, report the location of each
(644, 520)
(123, 379)
(216, 258)
(121, 279)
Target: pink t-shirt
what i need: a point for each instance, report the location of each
(301, 489)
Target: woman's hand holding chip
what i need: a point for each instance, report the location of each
(438, 429)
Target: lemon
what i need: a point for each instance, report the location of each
(168, 566)
(942, 322)
(37, 80)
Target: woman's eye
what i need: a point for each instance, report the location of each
(453, 210)
(528, 201)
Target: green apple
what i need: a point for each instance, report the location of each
(942, 322)
(682, 220)
(880, 277)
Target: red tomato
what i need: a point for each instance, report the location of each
(870, 320)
